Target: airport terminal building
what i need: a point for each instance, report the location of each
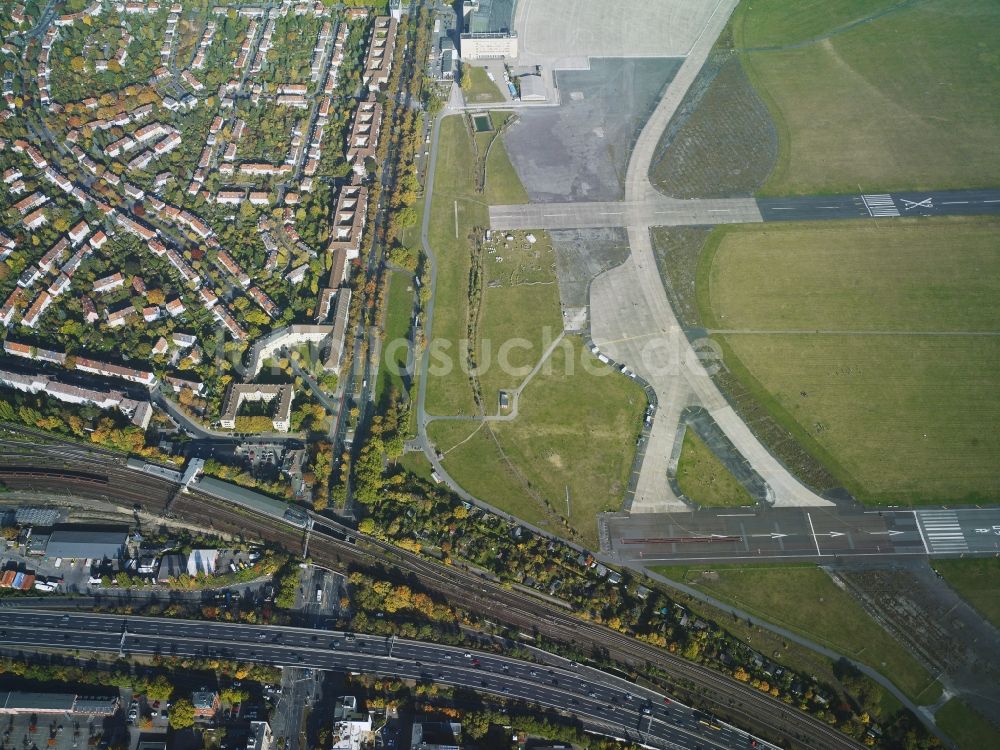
(489, 33)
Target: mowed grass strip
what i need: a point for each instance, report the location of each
(969, 729)
(907, 100)
(398, 311)
(977, 581)
(865, 345)
(704, 479)
(576, 430)
(457, 205)
(455, 210)
(804, 599)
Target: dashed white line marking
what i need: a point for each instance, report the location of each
(992, 201)
(782, 208)
(952, 203)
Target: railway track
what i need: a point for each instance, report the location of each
(721, 694)
(487, 598)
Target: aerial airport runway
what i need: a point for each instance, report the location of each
(663, 211)
(749, 534)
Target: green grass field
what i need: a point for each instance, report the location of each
(483, 90)
(967, 727)
(905, 100)
(457, 206)
(525, 466)
(805, 600)
(417, 464)
(520, 311)
(977, 581)
(455, 210)
(398, 309)
(875, 348)
(704, 479)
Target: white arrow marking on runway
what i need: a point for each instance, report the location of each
(891, 532)
(831, 533)
(772, 535)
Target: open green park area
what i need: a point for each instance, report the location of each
(704, 479)
(977, 581)
(877, 93)
(876, 347)
(576, 424)
(966, 727)
(804, 599)
(576, 421)
(398, 310)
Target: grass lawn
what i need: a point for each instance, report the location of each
(977, 581)
(454, 206)
(967, 727)
(868, 345)
(398, 309)
(590, 454)
(907, 100)
(483, 90)
(520, 311)
(704, 479)
(417, 463)
(805, 600)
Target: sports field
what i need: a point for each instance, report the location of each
(877, 93)
(875, 347)
(704, 479)
(977, 581)
(575, 431)
(805, 600)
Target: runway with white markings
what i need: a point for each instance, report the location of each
(753, 534)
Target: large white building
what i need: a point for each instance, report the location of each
(351, 728)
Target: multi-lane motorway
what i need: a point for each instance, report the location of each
(735, 699)
(603, 702)
(818, 534)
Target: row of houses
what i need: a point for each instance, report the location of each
(139, 412)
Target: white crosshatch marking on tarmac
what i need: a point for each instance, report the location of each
(925, 203)
(942, 531)
(880, 205)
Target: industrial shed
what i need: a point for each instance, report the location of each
(79, 543)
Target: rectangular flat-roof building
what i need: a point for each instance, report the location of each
(77, 542)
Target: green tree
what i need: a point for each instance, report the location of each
(181, 714)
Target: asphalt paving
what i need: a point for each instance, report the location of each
(881, 205)
(603, 702)
(820, 534)
(662, 211)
